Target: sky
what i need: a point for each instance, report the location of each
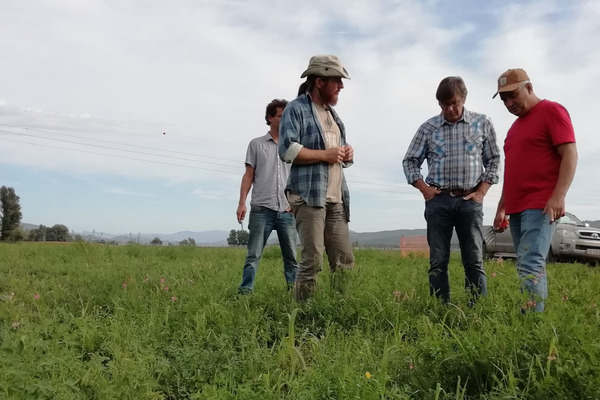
(134, 116)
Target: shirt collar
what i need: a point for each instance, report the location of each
(466, 117)
(268, 136)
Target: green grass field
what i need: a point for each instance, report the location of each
(83, 321)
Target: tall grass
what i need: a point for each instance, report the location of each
(83, 321)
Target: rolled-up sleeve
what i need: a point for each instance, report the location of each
(292, 152)
(289, 129)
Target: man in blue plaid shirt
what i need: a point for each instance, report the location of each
(463, 159)
(313, 138)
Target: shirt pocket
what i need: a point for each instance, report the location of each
(473, 143)
(436, 149)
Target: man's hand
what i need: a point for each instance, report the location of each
(500, 221)
(476, 196)
(555, 207)
(429, 192)
(241, 213)
(348, 153)
(334, 155)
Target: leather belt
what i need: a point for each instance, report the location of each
(459, 192)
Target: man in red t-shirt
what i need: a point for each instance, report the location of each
(540, 161)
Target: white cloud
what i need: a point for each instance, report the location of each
(111, 78)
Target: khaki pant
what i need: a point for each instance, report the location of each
(320, 228)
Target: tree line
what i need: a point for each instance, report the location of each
(10, 222)
(238, 238)
(10, 215)
(11, 230)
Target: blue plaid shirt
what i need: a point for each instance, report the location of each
(459, 155)
(300, 127)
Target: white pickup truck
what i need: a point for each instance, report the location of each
(572, 240)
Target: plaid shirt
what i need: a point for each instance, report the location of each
(459, 155)
(300, 127)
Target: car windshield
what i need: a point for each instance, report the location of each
(570, 219)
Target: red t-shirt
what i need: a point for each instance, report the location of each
(531, 160)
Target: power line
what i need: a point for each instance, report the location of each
(112, 148)
(121, 157)
(101, 141)
(181, 165)
(350, 180)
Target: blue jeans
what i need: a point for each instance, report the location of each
(262, 222)
(444, 213)
(532, 233)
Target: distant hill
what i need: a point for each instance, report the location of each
(205, 238)
(219, 237)
(29, 227)
(388, 239)
(384, 238)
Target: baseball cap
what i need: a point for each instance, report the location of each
(325, 65)
(510, 80)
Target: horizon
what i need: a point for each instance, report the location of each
(592, 223)
(88, 231)
(130, 118)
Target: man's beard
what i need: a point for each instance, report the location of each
(328, 100)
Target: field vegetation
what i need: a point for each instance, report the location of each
(84, 321)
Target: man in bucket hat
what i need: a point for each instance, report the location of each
(313, 139)
(540, 161)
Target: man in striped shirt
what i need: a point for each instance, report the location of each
(270, 211)
(463, 159)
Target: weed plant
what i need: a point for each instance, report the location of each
(84, 321)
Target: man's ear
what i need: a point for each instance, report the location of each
(529, 87)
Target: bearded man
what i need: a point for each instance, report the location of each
(312, 138)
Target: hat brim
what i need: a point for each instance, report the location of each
(329, 73)
(507, 88)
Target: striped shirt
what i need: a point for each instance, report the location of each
(270, 174)
(300, 127)
(459, 155)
